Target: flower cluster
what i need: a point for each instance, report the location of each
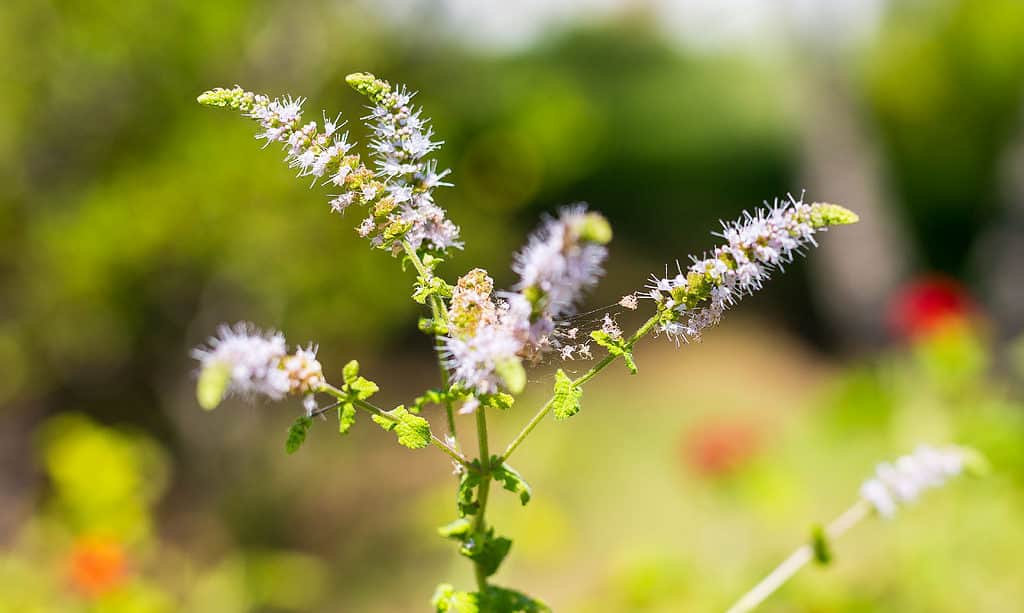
(245, 361)
(402, 139)
(398, 194)
(910, 475)
(489, 335)
(756, 245)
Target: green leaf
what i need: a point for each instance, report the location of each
(346, 417)
(566, 401)
(362, 388)
(512, 481)
(413, 431)
(493, 600)
(512, 374)
(616, 347)
(297, 433)
(212, 385)
(627, 358)
(468, 482)
(432, 396)
(350, 372)
(486, 550)
(502, 600)
(458, 529)
(820, 546)
(499, 400)
(447, 600)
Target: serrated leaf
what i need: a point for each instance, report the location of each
(566, 400)
(432, 396)
(346, 417)
(502, 600)
(297, 434)
(499, 400)
(362, 388)
(212, 385)
(447, 599)
(494, 599)
(412, 430)
(486, 550)
(468, 482)
(512, 481)
(350, 372)
(627, 358)
(616, 347)
(458, 529)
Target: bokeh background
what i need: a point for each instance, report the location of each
(133, 221)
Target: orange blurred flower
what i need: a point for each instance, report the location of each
(717, 449)
(97, 565)
(928, 305)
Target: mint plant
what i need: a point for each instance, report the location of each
(485, 339)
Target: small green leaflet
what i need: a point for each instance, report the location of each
(566, 400)
(412, 430)
(361, 388)
(486, 550)
(447, 600)
(350, 372)
(297, 434)
(616, 347)
(467, 487)
(458, 529)
(493, 600)
(499, 400)
(820, 546)
(511, 480)
(346, 417)
(355, 388)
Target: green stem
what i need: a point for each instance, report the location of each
(438, 312)
(798, 559)
(479, 523)
(587, 376)
(327, 388)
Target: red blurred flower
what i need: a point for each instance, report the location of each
(716, 449)
(928, 305)
(97, 565)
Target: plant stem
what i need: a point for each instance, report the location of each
(342, 397)
(438, 312)
(479, 523)
(587, 376)
(796, 560)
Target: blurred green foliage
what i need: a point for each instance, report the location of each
(92, 546)
(944, 84)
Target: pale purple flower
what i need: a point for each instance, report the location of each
(304, 372)
(252, 357)
(474, 360)
(756, 244)
(557, 263)
(402, 139)
(910, 475)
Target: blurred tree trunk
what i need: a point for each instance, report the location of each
(855, 272)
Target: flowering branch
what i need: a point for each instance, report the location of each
(485, 339)
(925, 469)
